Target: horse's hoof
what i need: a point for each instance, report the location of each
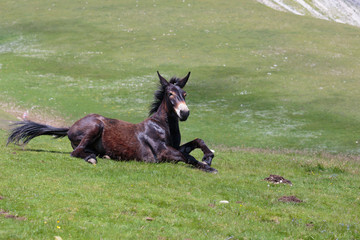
(207, 160)
(209, 169)
(91, 160)
(106, 157)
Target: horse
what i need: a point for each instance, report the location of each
(154, 140)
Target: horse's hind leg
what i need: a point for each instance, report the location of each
(197, 143)
(86, 136)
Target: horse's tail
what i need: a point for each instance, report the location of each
(22, 132)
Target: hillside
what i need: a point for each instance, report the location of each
(260, 78)
(343, 11)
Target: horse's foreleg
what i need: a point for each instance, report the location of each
(198, 143)
(201, 165)
(173, 155)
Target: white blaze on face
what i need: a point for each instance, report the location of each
(181, 107)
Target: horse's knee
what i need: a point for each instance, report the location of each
(200, 142)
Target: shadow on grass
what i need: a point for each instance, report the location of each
(46, 151)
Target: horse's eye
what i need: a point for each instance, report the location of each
(170, 94)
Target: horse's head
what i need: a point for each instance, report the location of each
(175, 95)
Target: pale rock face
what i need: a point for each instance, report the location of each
(342, 11)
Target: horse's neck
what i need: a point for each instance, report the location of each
(174, 132)
(171, 124)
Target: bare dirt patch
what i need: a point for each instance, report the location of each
(6, 214)
(310, 225)
(276, 179)
(290, 199)
(46, 116)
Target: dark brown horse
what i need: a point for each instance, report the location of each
(156, 139)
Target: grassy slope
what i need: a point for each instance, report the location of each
(264, 78)
(259, 77)
(62, 196)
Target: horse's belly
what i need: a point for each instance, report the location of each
(119, 140)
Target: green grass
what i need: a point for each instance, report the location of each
(263, 78)
(113, 199)
(272, 93)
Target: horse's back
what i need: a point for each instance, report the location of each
(105, 123)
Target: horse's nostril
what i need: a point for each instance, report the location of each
(184, 114)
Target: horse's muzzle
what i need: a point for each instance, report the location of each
(184, 115)
(182, 111)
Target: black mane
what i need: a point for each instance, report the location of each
(159, 96)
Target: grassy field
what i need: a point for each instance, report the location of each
(261, 78)
(271, 92)
(51, 194)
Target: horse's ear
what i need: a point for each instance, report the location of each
(163, 81)
(182, 82)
